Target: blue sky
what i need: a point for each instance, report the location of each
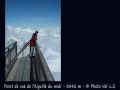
(30, 13)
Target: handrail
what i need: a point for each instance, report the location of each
(9, 57)
(10, 47)
(25, 46)
(15, 58)
(43, 71)
(11, 44)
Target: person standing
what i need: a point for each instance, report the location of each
(32, 42)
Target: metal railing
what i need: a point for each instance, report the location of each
(10, 54)
(39, 70)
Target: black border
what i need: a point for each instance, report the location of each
(2, 39)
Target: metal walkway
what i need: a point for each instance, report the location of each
(21, 67)
(21, 70)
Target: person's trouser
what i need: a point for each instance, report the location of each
(32, 50)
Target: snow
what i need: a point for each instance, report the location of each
(49, 39)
